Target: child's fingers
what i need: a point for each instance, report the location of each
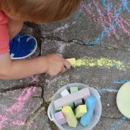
(67, 64)
(63, 69)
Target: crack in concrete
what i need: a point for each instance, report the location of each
(46, 104)
(31, 118)
(62, 40)
(80, 42)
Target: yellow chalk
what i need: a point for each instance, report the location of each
(72, 61)
(70, 117)
(80, 111)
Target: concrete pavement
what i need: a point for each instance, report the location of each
(105, 27)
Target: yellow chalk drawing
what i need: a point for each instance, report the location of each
(31, 118)
(102, 62)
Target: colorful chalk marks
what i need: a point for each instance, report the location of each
(109, 20)
(16, 108)
(100, 62)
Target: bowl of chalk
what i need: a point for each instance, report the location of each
(75, 106)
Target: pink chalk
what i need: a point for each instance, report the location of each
(60, 118)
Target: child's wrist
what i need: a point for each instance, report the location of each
(44, 64)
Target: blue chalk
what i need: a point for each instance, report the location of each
(90, 104)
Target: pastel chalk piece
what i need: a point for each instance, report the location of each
(78, 102)
(58, 109)
(80, 111)
(73, 89)
(60, 118)
(72, 97)
(69, 116)
(72, 61)
(123, 99)
(64, 93)
(90, 104)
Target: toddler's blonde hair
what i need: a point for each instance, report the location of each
(40, 10)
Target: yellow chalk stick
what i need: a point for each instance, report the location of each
(72, 61)
(80, 111)
(70, 117)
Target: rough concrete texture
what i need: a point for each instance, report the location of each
(104, 25)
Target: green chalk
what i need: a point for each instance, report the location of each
(73, 89)
(58, 109)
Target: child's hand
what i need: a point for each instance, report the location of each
(55, 64)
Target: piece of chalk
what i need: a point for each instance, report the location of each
(58, 109)
(90, 104)
(72, 97)
(64, 93)
(73, 89)
(69, 116)
(72, 61)
(80, 111)
(78, 102)
(60, 118)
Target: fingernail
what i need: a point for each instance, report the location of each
(67, 67)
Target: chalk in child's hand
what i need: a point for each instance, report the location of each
(72, 61)
(69, 116)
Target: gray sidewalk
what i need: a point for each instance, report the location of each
(104, 25)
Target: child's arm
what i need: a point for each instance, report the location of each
(51, 64)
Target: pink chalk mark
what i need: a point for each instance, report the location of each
(21, 100)
(126, 22)
(121, 21)
(16, 107)
(101, 16)
(33, 78)
(109, 15)
(100, 19)
(89, 12)
(2, 120)
(121, 26)
(18, 123)
(105, 22)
